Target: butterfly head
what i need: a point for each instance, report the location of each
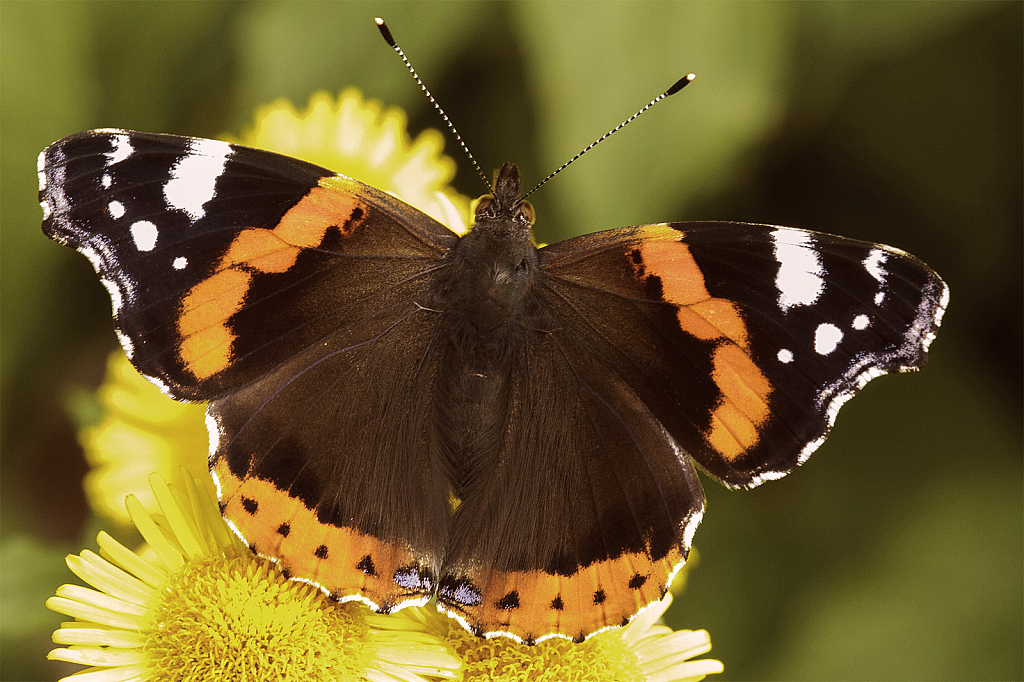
(504, 214)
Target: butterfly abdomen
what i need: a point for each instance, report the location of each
(486, 307)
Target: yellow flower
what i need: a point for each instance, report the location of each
(643, 651)
(142, 431)
(204, 608)
(365, 141)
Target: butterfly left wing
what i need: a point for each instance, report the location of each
(267, 285)
(745, 340)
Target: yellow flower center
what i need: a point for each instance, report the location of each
(602, 658)
(238, 618)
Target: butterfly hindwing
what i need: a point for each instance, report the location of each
(334, 445)
(744, 340)
(587, 512)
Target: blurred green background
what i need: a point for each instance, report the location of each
(896, 552)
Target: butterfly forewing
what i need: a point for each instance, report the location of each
(223, 260)
(744, 340)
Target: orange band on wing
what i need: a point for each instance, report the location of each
(744, 403)
(531, 604)
(207, 307)
(345, 563)
(206, 341)
(744, 389)
(664, 256)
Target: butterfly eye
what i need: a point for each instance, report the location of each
(483, 205)
(526, 212)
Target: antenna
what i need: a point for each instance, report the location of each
(676, 87)
(386, 32)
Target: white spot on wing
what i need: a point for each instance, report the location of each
(41, 169)
(758, 479)
(785, 356)
(45, 205)
(122, 149)
(56, 201)
(106, 181)
(800, 278)
(194, 177)
(879, 297)
(116, 209)
(861, 322)
(144, 233)
(689, 528)
(943, 302)
(937, 316)
(826, 337)
(873, 263)
(96, 257)
(159, 383)
(180, 262)
(216, 481)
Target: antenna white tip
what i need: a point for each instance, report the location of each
(386, 32)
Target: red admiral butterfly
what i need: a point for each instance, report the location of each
(396, 412)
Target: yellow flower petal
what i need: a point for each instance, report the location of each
(114, 551)
(112, 580)
(103, 637)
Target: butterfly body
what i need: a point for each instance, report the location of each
(397, 412)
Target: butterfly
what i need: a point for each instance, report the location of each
(398, 413)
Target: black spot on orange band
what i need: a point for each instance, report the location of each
(509, 601)
(366, 565)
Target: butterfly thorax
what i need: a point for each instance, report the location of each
(492, 271)
(490, 310)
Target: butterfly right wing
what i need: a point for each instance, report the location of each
(745, 340)
(588, 510)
